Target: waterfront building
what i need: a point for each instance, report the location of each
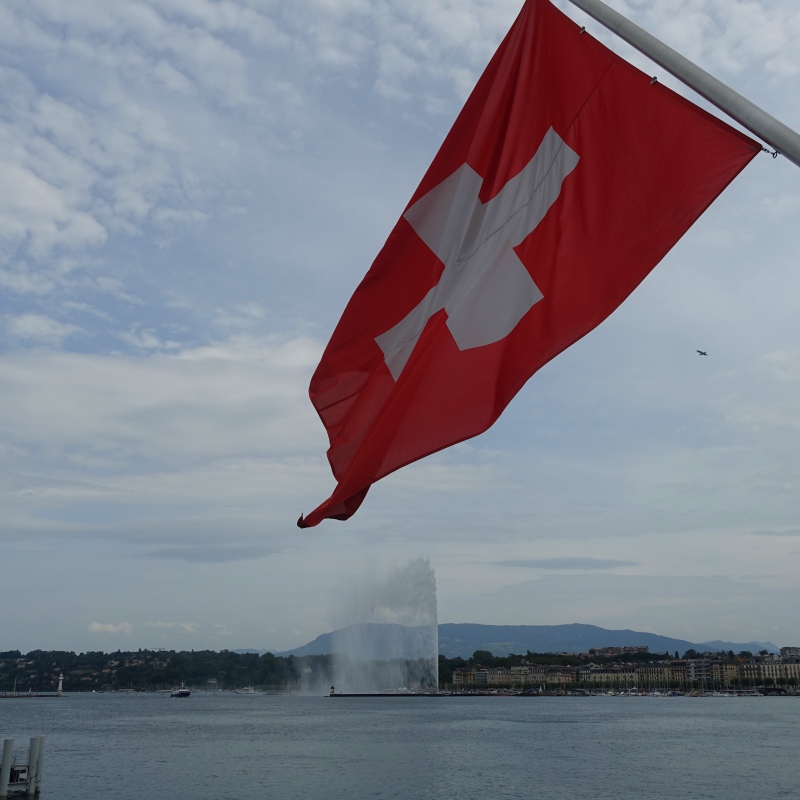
(698, 673)
(778, 674)
(750, 673)
(560, 676)
(605, 652)
(613, 677)
(678, 672)
(499, 676)
(716, 672)
(463, 679)
(654, 676)
(536, 675)
(724, 674)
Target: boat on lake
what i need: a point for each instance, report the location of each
(180, 691)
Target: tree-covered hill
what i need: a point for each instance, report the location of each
(154, 669)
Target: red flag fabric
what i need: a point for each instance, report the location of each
(567, 176)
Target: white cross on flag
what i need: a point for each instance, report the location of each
(567, 176)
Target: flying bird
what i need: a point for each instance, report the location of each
(702, 352)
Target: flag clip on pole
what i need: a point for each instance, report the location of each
(757, 121)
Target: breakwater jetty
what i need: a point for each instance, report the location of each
(23, 695)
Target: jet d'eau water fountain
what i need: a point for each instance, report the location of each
(388, 637)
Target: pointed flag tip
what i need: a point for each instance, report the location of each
(301, 523)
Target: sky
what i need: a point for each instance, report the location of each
(190, 191)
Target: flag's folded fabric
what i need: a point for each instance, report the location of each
(567, 176)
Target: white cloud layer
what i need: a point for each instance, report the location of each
(185, 627)
(189, 193)
(124, 628)
(39, 329)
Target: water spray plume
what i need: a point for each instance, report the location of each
(389, 632)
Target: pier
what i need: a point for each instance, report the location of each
(15, 695)
(21, 768)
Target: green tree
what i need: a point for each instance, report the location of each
(483, 657)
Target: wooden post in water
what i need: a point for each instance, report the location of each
(5, 769)
(39, 766)
(33, 761)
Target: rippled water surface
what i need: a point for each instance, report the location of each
(259, 746)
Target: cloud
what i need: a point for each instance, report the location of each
(201, 454)
(40, 329)
(243, 397)
(186, 627)
(147, 340)
(212, 554)
(171, 218)
(244, 315)
(19, 279)
(788, 533)
(569, 562)
(45, 215)
(21, 484)
(104, 151)
(122, 627)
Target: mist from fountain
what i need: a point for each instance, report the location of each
(388, 637)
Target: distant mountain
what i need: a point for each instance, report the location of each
(464, 639)
(753, 647)
(372, 641)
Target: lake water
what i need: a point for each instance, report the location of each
(227, 746)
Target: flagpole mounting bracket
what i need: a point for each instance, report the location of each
(754, 119)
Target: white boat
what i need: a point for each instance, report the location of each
(245, 690)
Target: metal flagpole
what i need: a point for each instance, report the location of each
(766, 127)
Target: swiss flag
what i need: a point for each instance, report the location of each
(566, 178)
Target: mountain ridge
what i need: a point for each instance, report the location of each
(462, 639)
